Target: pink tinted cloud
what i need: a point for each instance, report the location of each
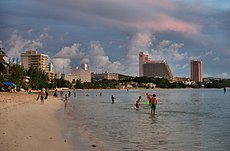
(166, 4)
(166, 24)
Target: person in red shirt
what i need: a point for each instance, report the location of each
(138, 103)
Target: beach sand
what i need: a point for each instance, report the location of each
(26, 125)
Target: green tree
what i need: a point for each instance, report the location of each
(3, 64)
(78, 84)
(15, 75)
(62, 83)
(38, 78)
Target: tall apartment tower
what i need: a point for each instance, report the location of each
(31, 58)
(143, 58)
(196, 70)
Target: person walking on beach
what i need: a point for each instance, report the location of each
(55, 93)
(113, 99)
(42, 95)
(153, 104)
(137, 105)
(66, 100)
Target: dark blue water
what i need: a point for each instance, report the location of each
(186, 119)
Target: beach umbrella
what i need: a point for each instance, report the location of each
(9, 84)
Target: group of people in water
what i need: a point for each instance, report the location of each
(152, 101)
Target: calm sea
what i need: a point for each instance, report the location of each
(186, 119)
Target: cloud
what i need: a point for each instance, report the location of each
(223, 75)
(67, 55)
(195, 57)
(167, 50)
(95, 57)
(216, 59)
(18, 44)
(140, 41)
(61, 65)
(100, 62)
(208, 53)
(69, 52)
(29, 31)
(155, 16)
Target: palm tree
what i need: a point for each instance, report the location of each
(3, 64)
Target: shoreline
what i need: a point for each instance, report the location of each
(27, 125)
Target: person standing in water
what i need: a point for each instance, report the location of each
(66, 100)
(148, 96)
(113, 99)
(137, 105)
(153, 104)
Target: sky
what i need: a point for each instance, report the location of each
(109, 34)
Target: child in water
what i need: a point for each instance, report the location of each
(138, 103)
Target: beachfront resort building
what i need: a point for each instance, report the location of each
(33, 59)
(154, 68)
(143, 58)
(105, 76)
(196, 70)
(83, 74)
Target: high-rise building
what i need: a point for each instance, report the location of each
(159, 68)
(143, 58)
(196, 70)
(154, 68)
(31, 58)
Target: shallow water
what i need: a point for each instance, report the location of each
(186, 119)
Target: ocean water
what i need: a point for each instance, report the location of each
(186, 119)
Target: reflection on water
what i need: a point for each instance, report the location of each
(186, 119)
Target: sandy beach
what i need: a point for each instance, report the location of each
(26, 125)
